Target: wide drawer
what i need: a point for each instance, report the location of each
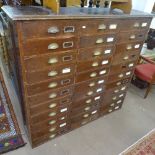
(94, 53)
(49, 74)
(49, 45)
(50, 28)
(97, 40)
(40, 62)
(50, 85)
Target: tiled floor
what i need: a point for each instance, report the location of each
(109, 135)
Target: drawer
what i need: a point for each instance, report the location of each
(40, 62)
(101, 26)
(50, 74)
(93, 64)
(97, 40)
(94, 53)
(50, 28)
(131, 36)
(50, 95)
(122, 67)
(92, 74)
(50, 85)
(49, 45)
(120, 76)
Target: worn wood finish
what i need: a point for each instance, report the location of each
(73, 67)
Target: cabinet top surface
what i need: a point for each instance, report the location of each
(35, 12)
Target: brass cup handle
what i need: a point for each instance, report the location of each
(52, 60)
(52, 105)
(52, 129)
(95, 64)
(52, 114)
(85, 115)
(94, 74)
(52, 73)
(52, 122)
(53, 30)
(53, 85)
(97, 53)
(88, 101)
(52, 136)
(99, 41)
(53, 95)
(53, 46)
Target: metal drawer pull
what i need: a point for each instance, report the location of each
(88, 101)
(102, 27)
(116, 91)
(52, 73)
(52, 129)
(137, 46)
(112, 105)
(126, 58)
(129, 47)
(131, 65)
(110, 110)
(132, 36)
(94, 112)
(53, 30)
(107, 51)
(53, 95)
(52, 122)
(118, 83)
(94, 74)
(86, 115)
(99, 90)
(99, 41)
(67, 58)
(52, 60)
(53, 46)
(92, 84)
(87, 108)
(97, 98)
(128, 73)
(69, 44)
(66, 70)
(97, 53)
(120, 75)
(100, 81)
(65, 92)
(66, 81)
(69, 29)
(63, 110)
(113, 26)
(62, 118)
(62, 125)
(110, 39)
(90, 93)
(53, 85)
(119, 101)
(144, 24)
(116, 107)
(102, 72)
(104, 62)
(121, 95)
(52, 114)
(52, 136)
(123, 88)
(136, 24)
(114, 98)
(52, 105)
(95, 64)
(65, 101)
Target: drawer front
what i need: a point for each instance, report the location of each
(49, 45)
(99, 40)
(50, 28)
(131, 36)
(50, 95)
(92, 74)
(49, 74)
(94, 53)
(40, 62)
(93, 64)
(91, 27)
(50, 85)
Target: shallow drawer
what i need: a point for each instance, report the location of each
(131, 36)
(49, 74)
(50, 95)
(40, 62)
(50, 85)
(50, 28)
(98, 26)
(93, 64)
(49, 45)
(97, 40)
(92, 74)
(94, 53)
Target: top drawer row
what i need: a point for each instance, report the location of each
(54, 28)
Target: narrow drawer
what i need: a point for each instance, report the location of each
(41, 87)
(40, 62)
(49, 74)
(49, 45)
(97, 40)
(93, 64)
(92, 74)
(94, 53)
(50, 95)
(50, 28)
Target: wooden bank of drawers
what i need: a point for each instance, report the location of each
(73, 69)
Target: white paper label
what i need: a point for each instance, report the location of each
(112, 26)
(94, 112)
(119, 101)
(107, 51)
(128, 73)
(100, 81)
(137, 46)
(144, 24)
(105, 62)
(63, 110)
(66, 70)
(98, 90)
(103, 72)
(62, 125)
(110, 39)
(97, 98)
(131, 65)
